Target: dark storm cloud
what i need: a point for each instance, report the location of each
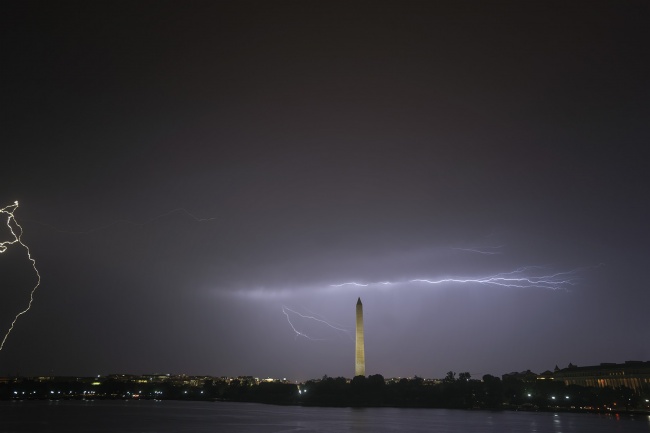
(314, 144)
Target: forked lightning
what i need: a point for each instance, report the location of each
(17, 231)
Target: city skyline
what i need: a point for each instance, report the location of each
(631, 374)
(205, 188)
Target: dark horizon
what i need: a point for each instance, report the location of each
(207, 186)
(610, 389)
(554, 369)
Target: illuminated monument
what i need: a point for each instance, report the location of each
(360, 352)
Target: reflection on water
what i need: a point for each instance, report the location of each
(359, 421)
(199, 417)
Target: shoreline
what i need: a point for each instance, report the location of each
(618, 412)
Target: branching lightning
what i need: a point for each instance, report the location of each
(335, 325)
(520, 278)
(298, 333)
(286, 310)
(12, 223)
(526, 277)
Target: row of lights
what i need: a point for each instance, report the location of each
(553, 397)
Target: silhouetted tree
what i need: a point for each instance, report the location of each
(492, 391)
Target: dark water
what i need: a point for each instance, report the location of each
(174, 416)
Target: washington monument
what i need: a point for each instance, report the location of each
(360, 352)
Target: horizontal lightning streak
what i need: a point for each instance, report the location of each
(9, 211)
(489, 251)
(516, 279)
(354, 284)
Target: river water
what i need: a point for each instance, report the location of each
(195, 417)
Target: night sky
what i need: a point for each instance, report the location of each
(193, 177)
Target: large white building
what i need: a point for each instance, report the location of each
(632, 374)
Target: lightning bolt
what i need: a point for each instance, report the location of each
(11, 219)
(489, 251)
(352, 283)
(519, 278)
(298, 333)
(329, 323)
(286, 309)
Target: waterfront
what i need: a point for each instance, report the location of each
(199, 417)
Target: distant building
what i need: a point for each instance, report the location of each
(632, 374)
(524, 376)
(360, 351)
(157, 378)
(546, 375)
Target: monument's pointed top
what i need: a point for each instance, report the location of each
(359, 301)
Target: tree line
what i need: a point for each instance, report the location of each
(454, 391)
